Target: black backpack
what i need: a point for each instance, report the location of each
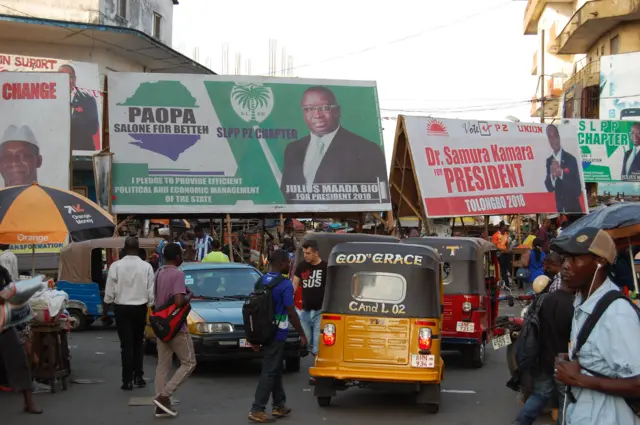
(590, 323)
(527, 346)
(258, 313)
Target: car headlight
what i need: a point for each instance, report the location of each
(213, 328)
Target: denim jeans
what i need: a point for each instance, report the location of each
(544, 388)
(310, 321)
(271, 378)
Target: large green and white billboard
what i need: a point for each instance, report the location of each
(231, 144)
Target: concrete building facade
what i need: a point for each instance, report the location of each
(153, 17)
(577, 34)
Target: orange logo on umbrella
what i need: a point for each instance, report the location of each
(71, 209)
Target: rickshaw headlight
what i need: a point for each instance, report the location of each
(329, 334)
(424, 339)
(466, 306)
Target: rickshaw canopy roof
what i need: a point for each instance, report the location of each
(456, 248)
(75, 258)
(326, 241)
(375, 274)
(385, 253)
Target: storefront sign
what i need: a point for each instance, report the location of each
(607, 150)
(467, 168)
(214, 144)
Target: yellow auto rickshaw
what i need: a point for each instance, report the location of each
(381, 322)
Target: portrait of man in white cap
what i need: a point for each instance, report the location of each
(19, 156)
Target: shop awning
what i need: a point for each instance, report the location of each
(128, 43)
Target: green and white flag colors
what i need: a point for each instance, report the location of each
(224, 144)
(608, 149)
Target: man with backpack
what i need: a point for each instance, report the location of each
(602, 372)
(266, 315)
(553, 321)
(170, 287)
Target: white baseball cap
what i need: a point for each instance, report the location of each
(19, 134)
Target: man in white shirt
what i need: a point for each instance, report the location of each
(9, 261)
(130, 288)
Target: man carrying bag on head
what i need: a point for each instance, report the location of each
(172, 298)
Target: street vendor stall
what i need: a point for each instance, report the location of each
(34, 214)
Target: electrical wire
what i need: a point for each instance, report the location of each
(395, 41)
(495, 106)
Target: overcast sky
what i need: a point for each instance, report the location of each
(463, 58)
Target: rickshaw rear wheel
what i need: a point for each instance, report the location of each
(477, 353)
(80, 319)
(324, 401)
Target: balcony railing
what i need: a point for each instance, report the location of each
(590, 22)
(589, 75)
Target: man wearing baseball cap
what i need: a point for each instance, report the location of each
(606, 369)
(19, 156)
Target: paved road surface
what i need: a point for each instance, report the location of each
(223, 393)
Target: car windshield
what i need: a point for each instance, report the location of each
(223, 284)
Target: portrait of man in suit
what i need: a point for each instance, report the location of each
(631, 161)
(330, 154)
(563, 175)
(85, 124)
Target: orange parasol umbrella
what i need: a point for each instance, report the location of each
(34, 214)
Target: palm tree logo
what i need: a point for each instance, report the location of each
(252, 102)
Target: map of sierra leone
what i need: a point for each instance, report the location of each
(163, 94)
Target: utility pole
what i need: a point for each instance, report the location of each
(542, 78)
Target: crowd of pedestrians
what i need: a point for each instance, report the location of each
(587, 340)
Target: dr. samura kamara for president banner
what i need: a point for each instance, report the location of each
(502, 169)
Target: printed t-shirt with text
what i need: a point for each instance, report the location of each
(313, 279)
(169, 282)
(282, 295)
